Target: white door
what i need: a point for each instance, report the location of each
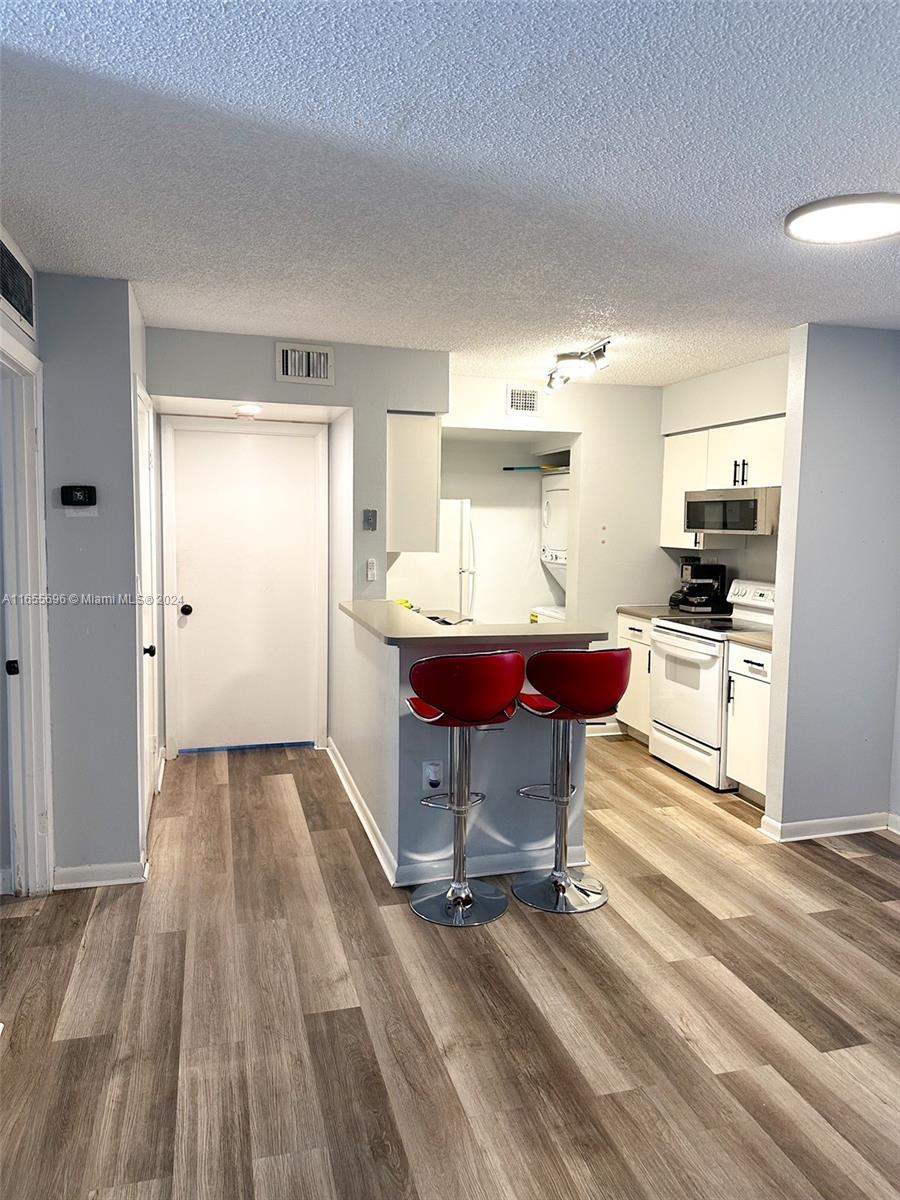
(684, 470)
(148, 589)
(746, 758)
(634, 707)
(686, 676)
(439, 580)
(247, 503)
(7, 682)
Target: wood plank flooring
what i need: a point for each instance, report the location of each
(265, 1019)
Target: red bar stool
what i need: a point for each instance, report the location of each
(573, 685)
(462, 692)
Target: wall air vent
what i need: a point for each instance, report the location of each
(296, 363)
(16, 285)
(521, 400)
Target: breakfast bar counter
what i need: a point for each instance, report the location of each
(380, 753)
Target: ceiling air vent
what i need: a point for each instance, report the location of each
(296, 363)
(521, 400)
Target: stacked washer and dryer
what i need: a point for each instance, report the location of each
(554, 538)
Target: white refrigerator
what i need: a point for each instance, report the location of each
(442, 580)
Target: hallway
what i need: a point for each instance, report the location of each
(266, 1018)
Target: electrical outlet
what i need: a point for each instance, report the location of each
(432, 775)
(371, 572)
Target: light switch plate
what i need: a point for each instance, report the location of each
(371, 572)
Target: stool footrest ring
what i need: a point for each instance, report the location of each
(542, 791)
(474, 798)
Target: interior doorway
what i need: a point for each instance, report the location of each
(245, 582)
(26, 828)
(148, 588)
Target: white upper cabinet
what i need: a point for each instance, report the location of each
(746, 455)
(684, 470)
(413, 481)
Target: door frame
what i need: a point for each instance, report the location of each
(25, 572)
(171, 665)
(144, 401)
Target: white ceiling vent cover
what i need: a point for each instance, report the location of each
(297, 363)
(521, 400)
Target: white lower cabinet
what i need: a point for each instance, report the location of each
(747, 747)
(634, 707)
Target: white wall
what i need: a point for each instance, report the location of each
(506, 522)
(837, 623)
(86, 348)
(755, 389)
(369, 379)
(614, 552)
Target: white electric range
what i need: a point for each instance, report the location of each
(689, 681)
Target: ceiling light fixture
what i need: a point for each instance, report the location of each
(248, 410)
(862, 217)
(578, 365)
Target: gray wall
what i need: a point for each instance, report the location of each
(837, 628)
(369, 379)
(86, 351)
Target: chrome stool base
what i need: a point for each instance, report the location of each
(574, 892)
(479, 904)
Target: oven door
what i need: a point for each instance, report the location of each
(686, 680)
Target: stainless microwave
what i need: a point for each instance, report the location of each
(740, 511)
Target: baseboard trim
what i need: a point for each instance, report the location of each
(479, 865)
(97, 875)
(6, 881)
(160, 773)
(800, 831)
(893, 823)
(355, 796)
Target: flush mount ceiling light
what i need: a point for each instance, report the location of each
(578, 365)
(862, 217)
(248, 410)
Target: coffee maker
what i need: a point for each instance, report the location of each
(702, 588)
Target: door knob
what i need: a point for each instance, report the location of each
(186, 610)
(150, 651)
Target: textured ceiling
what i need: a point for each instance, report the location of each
(501, 180)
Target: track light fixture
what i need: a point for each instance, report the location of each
(578, 365)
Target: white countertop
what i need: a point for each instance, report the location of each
(395, 625)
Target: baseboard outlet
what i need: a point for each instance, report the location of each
(801, 831)
(354, 795)
(6, 881)
(97, 875)
(479, 865)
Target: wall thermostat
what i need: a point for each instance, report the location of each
(78, 495)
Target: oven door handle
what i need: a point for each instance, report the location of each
(680, 649)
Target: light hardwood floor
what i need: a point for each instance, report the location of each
(266, 1018)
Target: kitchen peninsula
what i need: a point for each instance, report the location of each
(380, 758)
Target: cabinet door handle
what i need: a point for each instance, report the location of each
(634, 629)
(734, 481)
(730, 699)
(649, 655)
(750, 662)
(744, 465)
